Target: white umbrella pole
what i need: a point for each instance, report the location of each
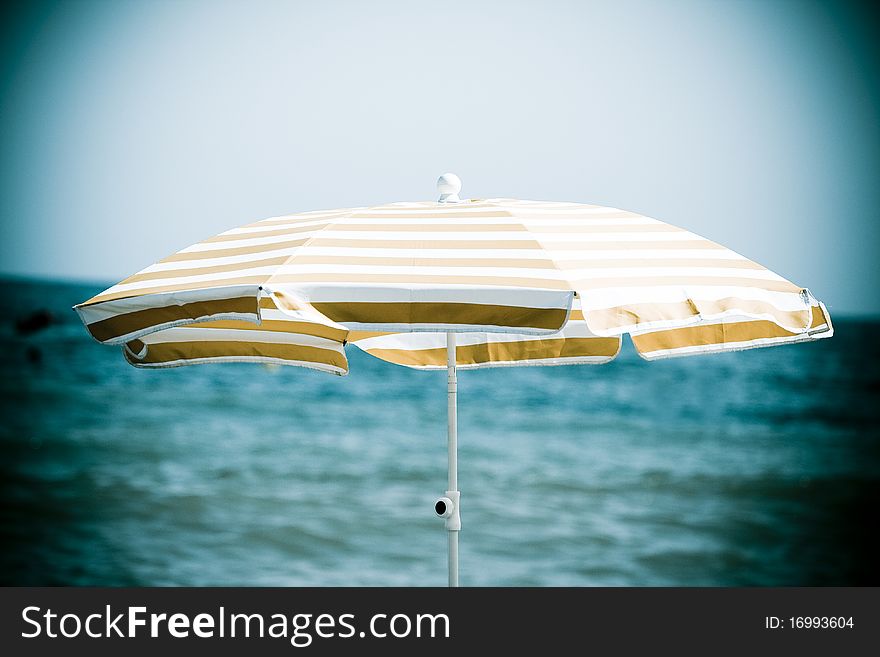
(453, 519)
(447, 507)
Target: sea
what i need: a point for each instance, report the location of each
(754, 468)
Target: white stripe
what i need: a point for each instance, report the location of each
(457, 236)
(215, 262)
(312, 365)
(199, 278)
(571, 360)
(277, 315)
(440, 326)
(562, 240)
(422, 253)
(312, 214)
(589, 214)
(573, 256)
(567, 255)
(107, 309)
(437, 210)
(266, 229)
(547, 239)
(429, 293)
(411, 219)
(551, 205)
(256, 241)
(589, 275)
(601, 299)
(578, 360)
(404, 270)
(196, 333)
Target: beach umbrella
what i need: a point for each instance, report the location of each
(452, 284)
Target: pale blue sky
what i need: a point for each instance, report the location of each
(132, 129)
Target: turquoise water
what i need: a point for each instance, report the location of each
(752, 468)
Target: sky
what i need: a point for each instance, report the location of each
(131, 129)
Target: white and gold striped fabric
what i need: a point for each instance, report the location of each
(575, 344)
(521, 282)
(283, 336)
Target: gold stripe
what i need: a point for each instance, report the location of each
(199, 271)
(494, 352)
(277, 326)
(171, 351)
(488, 244)
(135, 345)
(266, 233)
(501, 281)
(443, 313)
(406, 261)
(639, 313)
(114, 327)
(429, 228)
(710, 334)
(354, 336)
(819, 318)
(112, 296)
(615, 263)
(657, 281)
(239, 250)
(714, 334)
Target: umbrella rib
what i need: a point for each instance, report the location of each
(308, 241)
(551, 255)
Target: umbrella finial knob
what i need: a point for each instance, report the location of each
(449, 185)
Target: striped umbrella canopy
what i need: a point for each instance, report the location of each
(450, 284)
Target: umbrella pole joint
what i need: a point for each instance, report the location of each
(448, 507)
